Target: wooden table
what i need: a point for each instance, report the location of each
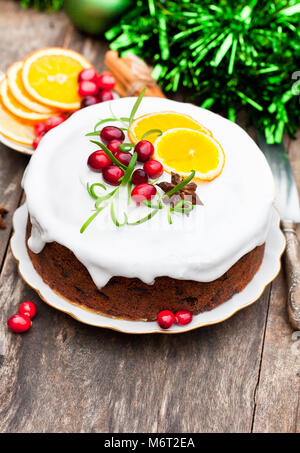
(239, 376)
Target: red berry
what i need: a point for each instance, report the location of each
(87, 88)
(98, 160)
(19, 323)
(36, 141)
(113, 145)
(112, 174)
(109, 133)
(139, 177)
(153, 168)
(143, 192)
(106, 81)
(89, 100)
(27, 308)
(183, 317)
(124, 158)
(144, 150)
(54, 121)
(165, 319)
(105, 95)
(88, 74)
(40, 129)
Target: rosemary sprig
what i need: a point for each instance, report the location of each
(90, 219)
(129, 170)
(152, 131)
(106, 120)
(106, 197)
(144, 219)
(126, 147)
(181, 185)
(91, 190)
(109, 154)
(114, 218)
(136, 106)
(183, 207)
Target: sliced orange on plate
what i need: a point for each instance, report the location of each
(14, 129)
(162, 121)
(50, 76)
(16, 86)
(182, 150)
(16, 108)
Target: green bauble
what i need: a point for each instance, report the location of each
(94, 16)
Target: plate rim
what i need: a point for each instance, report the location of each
(156, 330)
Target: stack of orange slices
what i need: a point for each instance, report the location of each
(42, 85)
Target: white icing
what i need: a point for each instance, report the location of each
(234, 219)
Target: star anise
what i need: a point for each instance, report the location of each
(188, 192)
(3, 211)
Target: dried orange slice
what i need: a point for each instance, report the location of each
(162, 121)
(16, 86)
(183, 150)
(50, 77)
(16, 108)
(12, 128)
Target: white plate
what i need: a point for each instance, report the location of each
(25, 149)
(270, 267)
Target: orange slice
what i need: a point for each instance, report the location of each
(50, 77)
(162, 121)
(16, 108)
(183, 150)
(12, 128)
(16, 86)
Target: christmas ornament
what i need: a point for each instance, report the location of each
(43, 5)
(94, 16)
(228, 54)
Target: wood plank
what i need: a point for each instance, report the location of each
(65, 376)
(278, 393)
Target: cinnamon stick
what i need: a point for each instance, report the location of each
(132, 75)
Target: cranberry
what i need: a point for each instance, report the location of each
(113, 145)
(19, 323)
(54, 121)
(139, 177)
(89, 100)
(112, 174)
(143, 192)
(183, 317)
(165, 319)
(105, 95)
(106, 81)
(87, 88)
(124, 158)
(153, 168)
(144, 150)
(36, 141)
(88, 74)
(109, 133)
(40, 129)
(27, 308)
(98, 160)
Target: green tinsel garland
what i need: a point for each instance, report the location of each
(42, 5)
(228, 52)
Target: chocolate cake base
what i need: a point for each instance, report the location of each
(130, 298)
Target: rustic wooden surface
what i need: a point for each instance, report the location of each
(239, 376)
